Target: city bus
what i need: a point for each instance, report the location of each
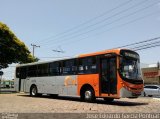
(109, 74)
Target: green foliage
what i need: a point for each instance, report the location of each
(12, 50)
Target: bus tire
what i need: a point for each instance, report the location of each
(88, 95)
(33, 91)
(108, 99)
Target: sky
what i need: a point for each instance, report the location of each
(82, 26)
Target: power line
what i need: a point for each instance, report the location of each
(97, 28)
(137, 48)
(90, 20)
(148, 47)
(118, 26)
(103, 20)
(153, 39)
(58, 51)
(145, 45)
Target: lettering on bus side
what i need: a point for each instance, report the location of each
(69, 81)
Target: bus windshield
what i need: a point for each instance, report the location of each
(130, 68)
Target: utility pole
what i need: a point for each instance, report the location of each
(34, 46)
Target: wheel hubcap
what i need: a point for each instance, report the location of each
(34, 91)
(88, 94)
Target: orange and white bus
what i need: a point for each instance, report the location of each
(109, 74)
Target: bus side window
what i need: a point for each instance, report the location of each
(32, 71)
(18, 72)
(23, 72)
(80, 67)
(43, 70)
(54, 68)
(92, 65)
(87, 65)
(69, 67)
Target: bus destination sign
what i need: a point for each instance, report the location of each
(132, 55)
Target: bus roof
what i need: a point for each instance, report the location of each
(101, 52)
(79, 56)
(43, 62)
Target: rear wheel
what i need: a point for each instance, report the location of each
(88, 95)
(33, 91)
(108, 99)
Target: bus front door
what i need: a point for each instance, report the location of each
(108, 75)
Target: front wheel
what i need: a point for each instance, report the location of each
(33, 91)
(89, 95)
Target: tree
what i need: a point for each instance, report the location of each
(12, 50)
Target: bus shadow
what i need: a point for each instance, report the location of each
(116, 102)
(122, 103)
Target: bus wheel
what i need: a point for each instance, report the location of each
(33, 91)
(108, 99)
(89, 95)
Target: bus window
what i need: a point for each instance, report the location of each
(87, 65)
(43, 70)
(23, 72)
(32, 71)
(130, 68)
(18, 72)
(92, 65)
(69, 67)
(54, 68)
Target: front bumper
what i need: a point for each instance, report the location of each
(124, 93)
